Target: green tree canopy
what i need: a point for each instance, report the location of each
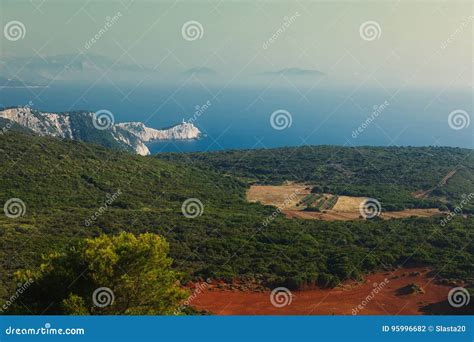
(123, 274)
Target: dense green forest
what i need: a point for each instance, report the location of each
(67, 187)
(389, 174)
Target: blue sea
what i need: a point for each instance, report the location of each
(241, 117)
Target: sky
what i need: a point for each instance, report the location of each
(423, 43)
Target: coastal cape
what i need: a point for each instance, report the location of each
(130, 136)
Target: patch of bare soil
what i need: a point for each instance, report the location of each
(401, 292)
(281, 196)
(293, 199)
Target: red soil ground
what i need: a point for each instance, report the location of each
(337, 301)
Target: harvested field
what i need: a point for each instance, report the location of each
(294, 198)
(281, 196)
(347, 203)
(390, 299)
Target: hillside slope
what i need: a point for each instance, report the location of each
(393, 175)
(73, 190)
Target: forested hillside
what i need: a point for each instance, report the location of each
(65, 185)
(396, 176)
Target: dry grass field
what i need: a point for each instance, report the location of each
(347, 203)
(289, 198)
(282, 196)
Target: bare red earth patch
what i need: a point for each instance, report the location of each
(393, 298)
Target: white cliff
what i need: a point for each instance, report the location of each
(183, 131)
(133, 141)
(132, 135)
(56, 125)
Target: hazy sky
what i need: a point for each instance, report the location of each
(419, 43)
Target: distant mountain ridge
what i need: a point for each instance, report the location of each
(15, 83)
(296, 72)
(129, 136)
(41, 70)
(200, 71)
